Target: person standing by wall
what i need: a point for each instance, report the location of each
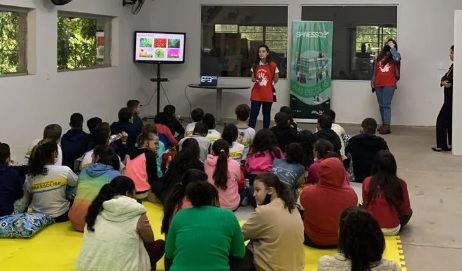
(444, 119)
(385, 76)
(265, 74)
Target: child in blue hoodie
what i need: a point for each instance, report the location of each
(11, 182)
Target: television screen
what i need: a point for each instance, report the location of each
(159, 47)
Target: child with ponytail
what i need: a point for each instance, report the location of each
(224, 172)
(47, 183)
(176, 199)
(118, 235)
(275, 229)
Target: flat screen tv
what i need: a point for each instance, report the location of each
(159, 47)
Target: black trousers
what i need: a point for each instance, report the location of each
(444, 122)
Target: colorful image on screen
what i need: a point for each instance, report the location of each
(173, 43)
(159, 47)
(146, 42)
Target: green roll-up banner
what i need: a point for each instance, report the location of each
(311, 68)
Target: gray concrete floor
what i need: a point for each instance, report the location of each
(432, 240)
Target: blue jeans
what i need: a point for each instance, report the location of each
(255, 110)
(384, 97)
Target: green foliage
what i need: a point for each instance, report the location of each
(8, 42)
(76, 43)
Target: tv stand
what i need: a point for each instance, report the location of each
(159, 80)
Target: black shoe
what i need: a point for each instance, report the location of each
(437, 149)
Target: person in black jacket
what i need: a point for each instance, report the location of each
(363, 148)
(74, 142)
(444, 119)
(134, 106)
(282, 131)
(173, 124)
(325, 132)
(11, 182)
(124, 125)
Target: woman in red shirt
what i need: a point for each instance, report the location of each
(386, 74)
(265, 74)
(385, 195)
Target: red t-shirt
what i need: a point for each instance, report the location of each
(384, 213)
(262, 90)
(385, 75)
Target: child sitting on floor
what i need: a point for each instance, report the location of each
(11, 182)
(47, 182)
(118, 235)
(275, 229)
(104, 168)
(141, 164)
(386, 196)
(196, 116)
(361, 245)
(176, 200)
(291, 170)
(74, 142)
(246, 133)
(52, 133)
(236, 149)
(324, 202)
(224, 173)
(209, 120)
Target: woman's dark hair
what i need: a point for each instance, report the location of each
(4, 152)
(323, 148)
(282, 189)
(200, 129)
(452, 47)
(295, 154)
(93, 123)
(384, 54)
(282, 119)
(230, 133)
(384, 179)
(209, 121)
(202, 194)
(42, 155)
(124, 114)
(307, 140)
(257, 60)
(161, 118)
(101, 136)
(120, 185)
(221, 149)
(265, 140)
(360, 238)
(107, 156)
(197, 114)
(52, 132)
(177, 193)
(188, 156)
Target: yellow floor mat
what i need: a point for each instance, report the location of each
(57, 247)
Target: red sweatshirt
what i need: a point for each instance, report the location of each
(325, 201)
(385, 75)
(384, 213)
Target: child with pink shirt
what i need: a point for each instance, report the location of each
(224, 173)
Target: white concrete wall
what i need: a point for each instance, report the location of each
(30, 102)
(425, 32)
(457, 102)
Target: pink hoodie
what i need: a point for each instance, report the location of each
(229, 198)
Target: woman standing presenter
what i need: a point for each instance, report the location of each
(444, 119)
(265, 74)
(386, 75)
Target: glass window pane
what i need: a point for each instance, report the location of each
(231, 36)
(357, 38)
(83, 42)
(13, 32)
